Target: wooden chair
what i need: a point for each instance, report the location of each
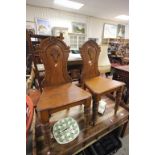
(29, 114)
(92, 80)
(59, 92)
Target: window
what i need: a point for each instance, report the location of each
(76, 41)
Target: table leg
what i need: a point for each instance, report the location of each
(44, 118)
(118, 98)
(124, 129)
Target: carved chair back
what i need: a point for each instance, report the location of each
(54, 54)
(90, 54)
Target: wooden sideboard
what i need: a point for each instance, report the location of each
(121, 73)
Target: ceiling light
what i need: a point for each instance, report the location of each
(69, 4)
(123, 17)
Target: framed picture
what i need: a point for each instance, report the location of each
(94, 39)
(121, 31)
(43, 26)
(31, 26)
(57, 30)
(109, 31)
(78, 28)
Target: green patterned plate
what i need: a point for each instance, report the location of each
(65, 130)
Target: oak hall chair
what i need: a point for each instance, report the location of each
(92, 80)
(59, 92)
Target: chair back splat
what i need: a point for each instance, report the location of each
(90, 54)
(54, 53)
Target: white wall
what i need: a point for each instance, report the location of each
(58, 18)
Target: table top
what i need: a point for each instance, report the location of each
(105, 124)
(100, 85)
(123, 68)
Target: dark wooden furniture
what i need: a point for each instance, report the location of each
(36, 38)
(33, 41)
(58, 91)
(104, 125)
(74, 66)
(92, 80)
(33, 58)
(121, 73)
(29, 49)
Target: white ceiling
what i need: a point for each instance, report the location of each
(105, 9)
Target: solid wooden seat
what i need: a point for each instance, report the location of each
(99, 85)
(61, 96)
(91, 79)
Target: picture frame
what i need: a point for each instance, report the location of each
(94, 39)
(31, 26)
(43, 26)
(120, 31)
(79, 28)
(109, 31)
(57, 30)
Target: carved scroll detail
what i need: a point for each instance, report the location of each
(55, 54)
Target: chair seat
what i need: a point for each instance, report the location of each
(100, 85)
(61, 96)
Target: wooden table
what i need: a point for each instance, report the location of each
(115, 58)
(104, 125)
(121, 73)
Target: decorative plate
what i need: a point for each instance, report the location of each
(65, 130)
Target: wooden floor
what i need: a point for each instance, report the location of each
(105, 124)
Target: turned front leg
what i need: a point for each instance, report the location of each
(44, 118)
(96, 100)
(118, 98)
(87, 112)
